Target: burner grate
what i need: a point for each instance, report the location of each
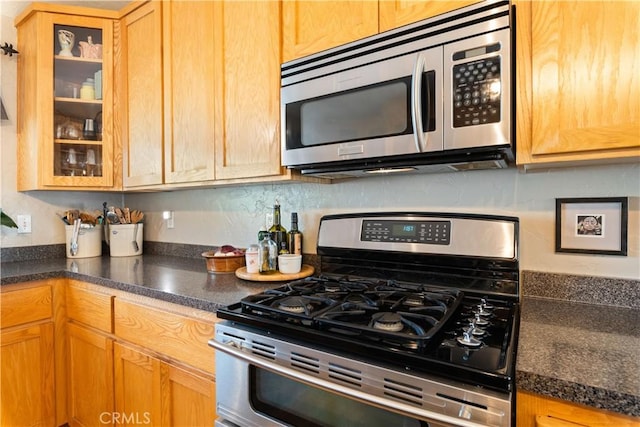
(375, 309)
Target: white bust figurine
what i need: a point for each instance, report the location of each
(66, 39)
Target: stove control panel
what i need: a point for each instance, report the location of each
(476, 235)
(393, 231)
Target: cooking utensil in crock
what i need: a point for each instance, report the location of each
(135, 238)
(73, 246)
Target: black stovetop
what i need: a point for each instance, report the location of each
(425, 328)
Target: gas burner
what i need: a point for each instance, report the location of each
(414, 300)
(353, 285)
(322, 284)
(387, 322)
(294, 305)
(332, 287)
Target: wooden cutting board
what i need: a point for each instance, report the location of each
(305, 271)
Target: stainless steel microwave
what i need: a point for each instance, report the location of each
(433, 96)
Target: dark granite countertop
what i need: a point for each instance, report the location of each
(179, 280)
(583, 353)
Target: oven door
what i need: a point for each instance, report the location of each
(364, 112)
(251, 396)
(256, 388)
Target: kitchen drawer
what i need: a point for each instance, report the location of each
(94, 309)
(25, 305)
(174, 335)
(535, 410)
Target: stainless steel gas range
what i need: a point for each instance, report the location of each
(413, 321)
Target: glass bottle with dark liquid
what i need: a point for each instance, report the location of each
(294, 236)
(278, 232)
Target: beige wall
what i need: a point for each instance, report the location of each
(233, 215)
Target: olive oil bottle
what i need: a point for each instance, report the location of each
(278, 232)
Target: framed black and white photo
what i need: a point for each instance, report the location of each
(595, 225)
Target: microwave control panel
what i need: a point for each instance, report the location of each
(476, 88)
(393, 231)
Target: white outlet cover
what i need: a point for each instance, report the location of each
(24, 224)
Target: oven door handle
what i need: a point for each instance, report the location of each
(416, 103)
(235, 349)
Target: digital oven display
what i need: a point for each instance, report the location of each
(404, 230)
(431, 232)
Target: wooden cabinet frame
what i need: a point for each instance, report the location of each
(557, 121)
(38, 101)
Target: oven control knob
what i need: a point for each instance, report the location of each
(478, 332)
(479, 321)
(483, 311)
(485, 304)
(467, 339)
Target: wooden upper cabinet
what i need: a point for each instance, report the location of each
(140, 96)
(65, 99)
(167, 86)
(578, 81)
(201, 85)
(394, 14)
(313, 26)
(247, 94)
(189, 90)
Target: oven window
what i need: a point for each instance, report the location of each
(298, 404)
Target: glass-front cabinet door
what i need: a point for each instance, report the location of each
(77, 103)
(65, 107)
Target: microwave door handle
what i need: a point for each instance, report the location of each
(416, 103)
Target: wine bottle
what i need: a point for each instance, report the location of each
(294, 236)
(278, 232)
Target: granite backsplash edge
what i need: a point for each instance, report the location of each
(582, 289)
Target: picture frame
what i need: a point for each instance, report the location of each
(593, 225)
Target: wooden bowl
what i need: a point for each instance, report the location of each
(223, 264)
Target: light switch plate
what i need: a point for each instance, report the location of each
(24, 224)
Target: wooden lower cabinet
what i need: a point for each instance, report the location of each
(90, 376)
(191, 397)
(27, 366)
(137, 385)
(134, 360)
(84, 355)
(535, 410)
(27, 347)
(155, 392)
